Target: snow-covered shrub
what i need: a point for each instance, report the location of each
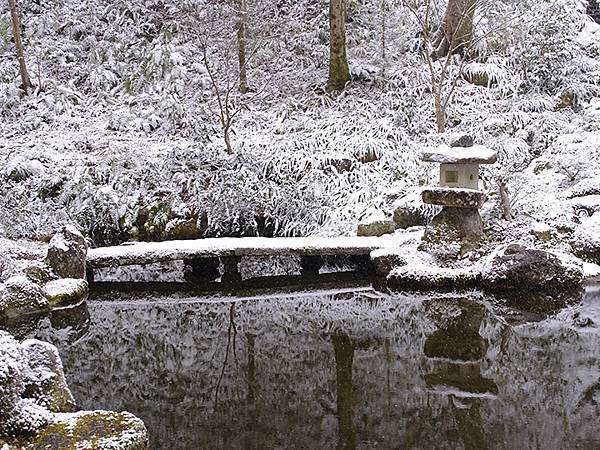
(541, 40)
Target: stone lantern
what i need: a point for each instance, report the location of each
(458, 193)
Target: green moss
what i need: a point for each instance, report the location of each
(100, 425)
(92, 429)
(54, 436)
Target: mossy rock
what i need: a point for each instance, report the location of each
(87, 430)
(376, 228)
(66, 291)
(384, 262)
(21, 296)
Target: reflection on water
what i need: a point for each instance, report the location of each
(346, 371)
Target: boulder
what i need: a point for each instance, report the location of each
(39, 271)
(408, 217)
(93, 430)
(66, 291)
(514, 266)
(376, 225)
(89, 430)
(17, 415)
(44, 378)
(479, 78)
(426, 277)
(462, 140)
(453, 197)
(34, 396)
(542, 231)
(566, 99)
(340, 164)
(66, 253)
(181, 229)
(12, 364)
(19, 295)
(586, 239)
(384, 261)
(408, 210)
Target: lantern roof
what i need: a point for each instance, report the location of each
(477, 154)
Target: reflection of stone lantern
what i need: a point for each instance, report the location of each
(458, 193)
(456, 348)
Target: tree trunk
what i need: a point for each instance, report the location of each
(241, 37)
(456, 31)
(383, 37)
(593, 10)
(339, 73)
(440, 112)
(227, 138)
(16, 26)
(505, 202)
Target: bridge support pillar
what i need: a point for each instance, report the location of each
(310, 265)
(363, 264)
(202, 269)
(89, 275)
(231, 273)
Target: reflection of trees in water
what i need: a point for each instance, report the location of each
(344, 357)
(231, 343)
(311, 367)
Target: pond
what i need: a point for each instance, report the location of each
(343, 368)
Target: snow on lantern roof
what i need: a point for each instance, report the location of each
(477, 154)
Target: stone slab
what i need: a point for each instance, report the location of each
(151, 252)
(453, 197)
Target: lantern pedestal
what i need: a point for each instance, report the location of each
(455, 225)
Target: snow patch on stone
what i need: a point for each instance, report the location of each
(477, 154)
(591, 270)
(20, 295)
(65, 290)
(146, 252)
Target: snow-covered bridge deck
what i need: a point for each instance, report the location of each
(206, 253)
(151, 252)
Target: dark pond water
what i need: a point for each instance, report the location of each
(341, 369)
